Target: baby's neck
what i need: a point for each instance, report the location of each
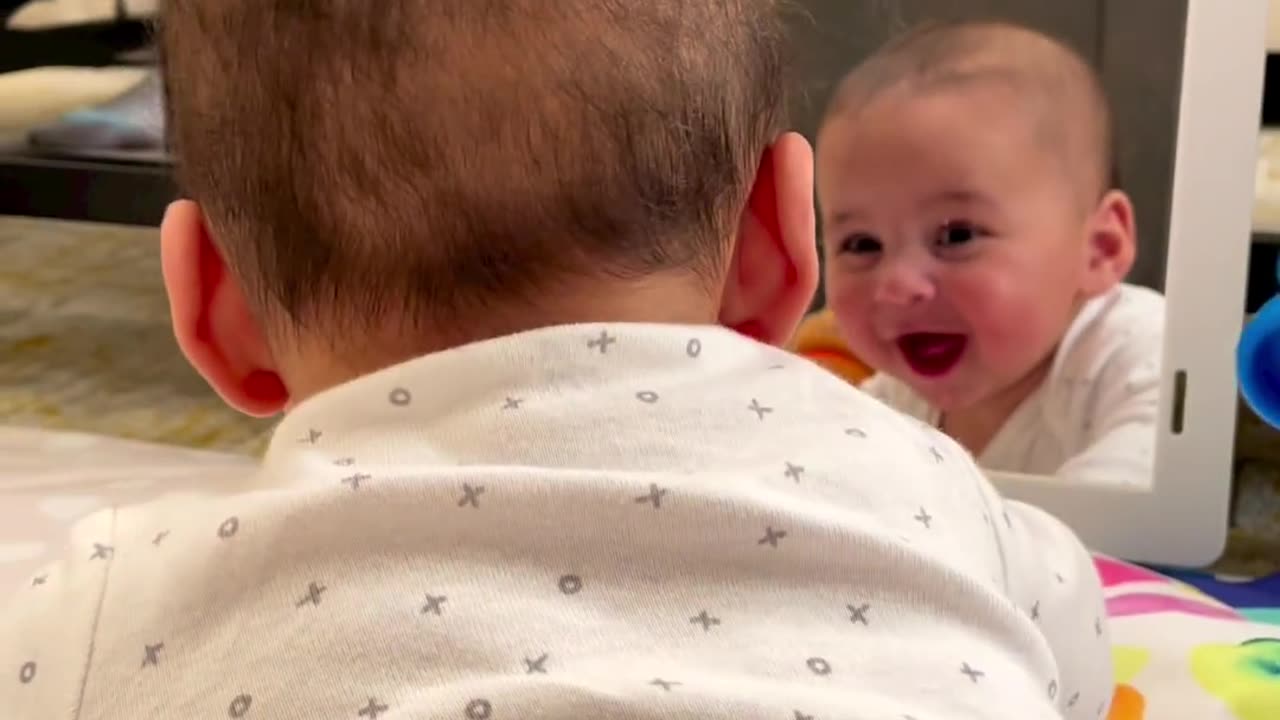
(311, 366)
(974, 427)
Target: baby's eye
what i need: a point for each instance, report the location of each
(958, 232)
(860, 244)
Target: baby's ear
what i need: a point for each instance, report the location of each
(1112, 243)
(212, 319)
(774, 268)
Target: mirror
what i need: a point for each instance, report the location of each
(1125, 426)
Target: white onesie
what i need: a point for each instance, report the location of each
(1094, 417)
(623, 521)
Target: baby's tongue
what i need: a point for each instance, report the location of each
(932, 354)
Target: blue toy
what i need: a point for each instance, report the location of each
(1258, 361)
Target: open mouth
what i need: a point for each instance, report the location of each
(932, 354)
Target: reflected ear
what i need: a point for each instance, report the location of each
(212, 320)
(1112, 244)
(773, 272)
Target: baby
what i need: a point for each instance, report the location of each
(976, 246)
(515, 272)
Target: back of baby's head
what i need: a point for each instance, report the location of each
(1051, 80)
(423, 158)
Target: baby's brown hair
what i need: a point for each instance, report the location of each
(1060, 86)
(427, 158)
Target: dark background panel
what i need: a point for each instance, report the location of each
(1140, 57)
(1263, 259)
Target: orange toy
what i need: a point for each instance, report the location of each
(818, 339)
(1127, 704)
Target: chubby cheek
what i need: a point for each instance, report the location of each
(851, 301)
(1008, 319)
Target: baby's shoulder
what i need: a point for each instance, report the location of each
(1128, 315)
(1118, 333)
(1137, 305)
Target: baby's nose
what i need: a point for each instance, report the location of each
(903, 283)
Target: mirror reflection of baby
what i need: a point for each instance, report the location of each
(976, 247)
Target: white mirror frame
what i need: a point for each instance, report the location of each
(1182, 518)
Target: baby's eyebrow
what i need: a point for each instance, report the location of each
(844, 216)
(963, 196)
(959, 197)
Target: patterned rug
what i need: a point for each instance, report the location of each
(85, 342)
